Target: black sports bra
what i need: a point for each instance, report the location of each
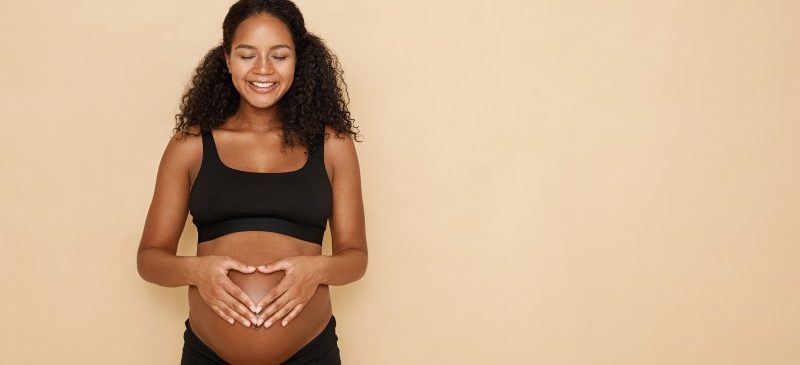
(224, 200)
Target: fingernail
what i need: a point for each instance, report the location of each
(267, 324)
(246, 323)
(260, 321)
(283, 323)
(258, 309)
(230, 321)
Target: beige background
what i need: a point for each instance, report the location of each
(546, 182)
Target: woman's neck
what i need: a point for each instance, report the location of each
(257, 120)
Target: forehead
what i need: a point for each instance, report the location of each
(262, 31)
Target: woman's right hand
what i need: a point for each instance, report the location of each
(222, 294)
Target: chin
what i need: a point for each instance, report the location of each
(260, 104)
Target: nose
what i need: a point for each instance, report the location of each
(263, 65)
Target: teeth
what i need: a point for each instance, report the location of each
(262, 84)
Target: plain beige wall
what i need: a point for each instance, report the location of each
(546, 182)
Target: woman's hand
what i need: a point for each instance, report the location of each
(222, 294)
(296, 288)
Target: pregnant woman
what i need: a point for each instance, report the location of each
(252, 161)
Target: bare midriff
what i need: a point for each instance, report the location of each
(241, 345)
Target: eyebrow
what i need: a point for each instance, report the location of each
(271, 48)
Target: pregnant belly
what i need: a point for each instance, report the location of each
(238, 344)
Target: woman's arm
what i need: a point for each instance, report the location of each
(348, 261)
(156, 258)
(161, 267)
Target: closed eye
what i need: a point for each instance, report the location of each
(277, 58)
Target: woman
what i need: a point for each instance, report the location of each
(258, 287)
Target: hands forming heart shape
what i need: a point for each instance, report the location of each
(283, 302)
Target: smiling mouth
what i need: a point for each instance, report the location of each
(262, 85)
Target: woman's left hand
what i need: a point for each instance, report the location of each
(288, 298)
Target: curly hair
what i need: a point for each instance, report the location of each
(315, 99)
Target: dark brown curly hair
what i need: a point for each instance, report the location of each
(316, 97)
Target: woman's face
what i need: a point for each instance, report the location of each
(262, 60)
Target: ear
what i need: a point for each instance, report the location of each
(227, 62)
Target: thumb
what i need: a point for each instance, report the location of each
(239, 266)
(273, 267)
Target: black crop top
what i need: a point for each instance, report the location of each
(224, 200)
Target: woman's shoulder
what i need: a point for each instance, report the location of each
(185, 147)
(339, 148)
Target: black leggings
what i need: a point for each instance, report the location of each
(322, 350)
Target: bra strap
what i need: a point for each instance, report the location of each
(209, 149)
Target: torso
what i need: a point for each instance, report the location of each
(236, 343)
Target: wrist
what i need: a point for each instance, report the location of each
(189, 267)
(320, 267)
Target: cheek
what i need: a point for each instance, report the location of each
(288, 72)
(286, 68)
(238, 69)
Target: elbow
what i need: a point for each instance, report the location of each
(364, 265)
(141, 265)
